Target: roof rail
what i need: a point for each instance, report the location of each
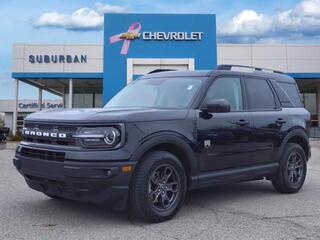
(230, 66)
(161, 70)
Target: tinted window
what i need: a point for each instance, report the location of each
(157, 93)
(260, 95)
(282, 95)
(293, 93)
(228, 88)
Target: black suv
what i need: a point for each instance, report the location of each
(169, 132)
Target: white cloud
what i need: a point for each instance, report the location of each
(248, 22)
(301, 21)
(309, 8)
(107, 8)
(83, 19)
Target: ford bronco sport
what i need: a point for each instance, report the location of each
(169, 132)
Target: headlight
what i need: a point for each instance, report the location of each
(99, 136)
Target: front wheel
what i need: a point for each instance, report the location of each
(293, 169)
(158, 187)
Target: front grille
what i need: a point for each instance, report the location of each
(43, 154)
(46, 126)
(35, 139)
(69, 130)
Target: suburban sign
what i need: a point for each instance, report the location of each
(57, 58)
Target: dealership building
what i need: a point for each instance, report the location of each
(25, 107)
(88, 75)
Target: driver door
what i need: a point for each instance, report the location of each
(226, 138)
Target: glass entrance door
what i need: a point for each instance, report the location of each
(309, 99)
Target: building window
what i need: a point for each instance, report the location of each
(310, 103)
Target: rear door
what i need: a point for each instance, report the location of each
(269, 121)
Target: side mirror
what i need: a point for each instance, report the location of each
(216, 106)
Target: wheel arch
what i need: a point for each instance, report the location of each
(173, 143)
(298, 136)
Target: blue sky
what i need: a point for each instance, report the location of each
(81, 21)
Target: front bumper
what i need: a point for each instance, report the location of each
(100, 182)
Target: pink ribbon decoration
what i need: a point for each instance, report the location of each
(134, 28)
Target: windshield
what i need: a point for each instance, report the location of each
(157, 93)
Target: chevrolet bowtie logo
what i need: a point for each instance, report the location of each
(130, 35)
(126, 37)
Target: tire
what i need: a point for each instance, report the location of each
(155, 194)
(288, 180)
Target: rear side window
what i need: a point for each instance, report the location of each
(292, 91)
(260, 95)
(282, 95)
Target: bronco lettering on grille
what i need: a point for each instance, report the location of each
(44, 134)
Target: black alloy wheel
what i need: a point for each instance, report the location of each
(163, 187)
(292, 170)
(158, 187)
(295, 168)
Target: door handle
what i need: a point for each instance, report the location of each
(242, 122)
(280, 121)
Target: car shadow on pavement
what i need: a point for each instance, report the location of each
(62, 210)
(221, 193)
(68, 209)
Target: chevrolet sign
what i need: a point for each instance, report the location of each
(38, 133)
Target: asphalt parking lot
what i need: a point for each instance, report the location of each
(240, 211)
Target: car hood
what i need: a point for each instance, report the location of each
(108, 115)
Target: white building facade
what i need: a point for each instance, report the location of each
(300, 61)
(25, 107)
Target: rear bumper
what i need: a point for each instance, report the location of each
(95, 182)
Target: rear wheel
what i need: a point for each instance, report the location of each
(158, 187)
(293, 170)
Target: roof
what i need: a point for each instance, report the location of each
(196, 73)
(281, 77)
(206, 73)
